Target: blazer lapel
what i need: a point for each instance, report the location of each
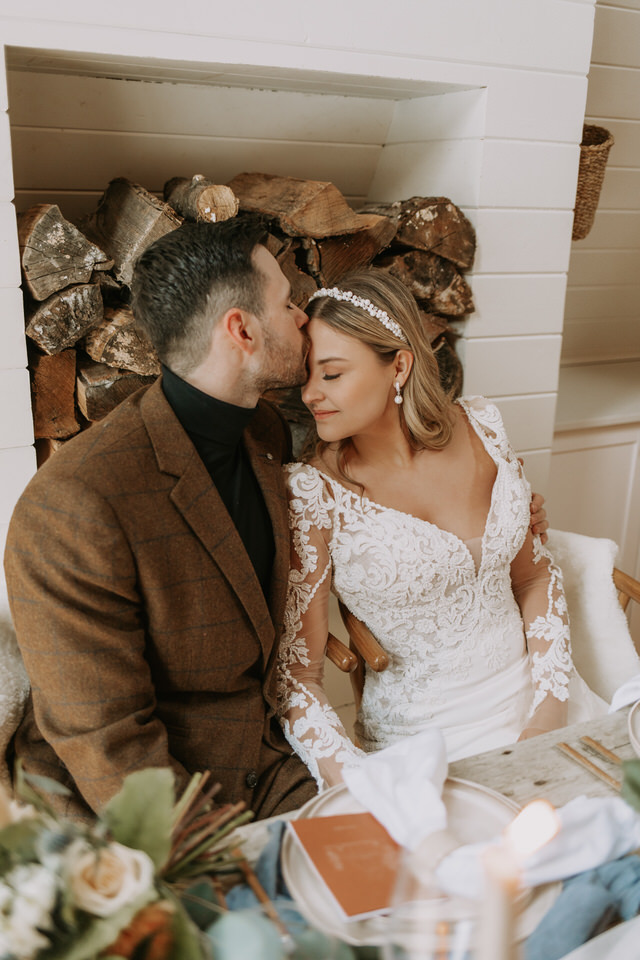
(267, 467)
(196, 498)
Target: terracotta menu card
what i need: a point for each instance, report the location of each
(355, 858)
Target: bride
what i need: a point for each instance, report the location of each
(415, 511)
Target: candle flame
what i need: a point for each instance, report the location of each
(535, 825)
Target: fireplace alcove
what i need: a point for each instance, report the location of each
(72, 133)
(74, 127)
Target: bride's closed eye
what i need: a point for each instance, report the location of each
(330, 376)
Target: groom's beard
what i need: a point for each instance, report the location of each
(284, 365)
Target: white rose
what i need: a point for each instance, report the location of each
(102, 881)
(35, 884)
(24, 939)
(34, 895)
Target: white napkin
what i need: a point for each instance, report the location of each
(628, 693)
(402, 786)
(593, 831)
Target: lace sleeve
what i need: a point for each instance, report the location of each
(310, 724)
(537, 587)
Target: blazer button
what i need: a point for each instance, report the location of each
(251, 780)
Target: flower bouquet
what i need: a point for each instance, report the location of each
(114, 888)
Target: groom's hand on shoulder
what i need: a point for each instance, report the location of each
(539, 522)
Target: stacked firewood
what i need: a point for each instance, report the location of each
(85, 352)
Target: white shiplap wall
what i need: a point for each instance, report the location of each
(602, 318)
(500, 136)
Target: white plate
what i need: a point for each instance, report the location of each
(633, 722)
(474, 813)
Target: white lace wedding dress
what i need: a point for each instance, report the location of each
(475, 647)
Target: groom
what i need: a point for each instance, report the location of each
(147, 561)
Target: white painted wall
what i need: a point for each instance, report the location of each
(594, 480)
(498, 133)
(602, 318)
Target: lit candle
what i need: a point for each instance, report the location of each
(534, 826)
(496, 940)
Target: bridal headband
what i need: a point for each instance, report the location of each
(336, 294)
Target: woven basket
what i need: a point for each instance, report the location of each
(594, 152)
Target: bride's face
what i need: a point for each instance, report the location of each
(349, 390)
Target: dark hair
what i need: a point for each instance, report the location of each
(184, 281)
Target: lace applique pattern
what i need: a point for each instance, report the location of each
(448, 629)
(311, 726)
(551, 667)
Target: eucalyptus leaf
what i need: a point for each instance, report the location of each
(100, 933)
(314, 945)
(20, 839)
(46, 784)
(140, 815)
(187, 939)
(245, 933)
(631, 783)
(200, 904)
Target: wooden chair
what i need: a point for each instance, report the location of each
(363, 650)
(628, 588)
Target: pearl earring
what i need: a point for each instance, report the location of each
(398, 397)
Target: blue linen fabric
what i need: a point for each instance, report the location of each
(269, 873)
(587, 903)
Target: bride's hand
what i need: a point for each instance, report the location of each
(529, 732)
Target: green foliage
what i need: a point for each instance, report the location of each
(140, 815)
(631, 783)
(245, 933)
(97, 935)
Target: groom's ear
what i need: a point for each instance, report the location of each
(241, 328)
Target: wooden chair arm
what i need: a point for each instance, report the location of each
(627, 587)
(340, 655)
(364, 642)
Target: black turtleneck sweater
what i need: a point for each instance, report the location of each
(215, 428)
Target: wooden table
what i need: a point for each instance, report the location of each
(522, 772)
(531, 769)
(535, 768)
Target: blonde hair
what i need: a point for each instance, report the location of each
(427, 413)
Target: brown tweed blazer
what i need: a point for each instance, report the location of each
(142, 624)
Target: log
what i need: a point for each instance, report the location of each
(54, 254)
(340, 255)
(431, 279)
(451, 372)
(65, 317)
(201, 199)
(434, 325)
(302, 285)
(45, 448)
(127, 220)
(53, 388)
(302, 208)
(101, 388)
(118, 342)
(312, 259)
(434, 224)
(113, 293)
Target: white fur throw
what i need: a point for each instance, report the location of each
(14, 690)
(603, 651)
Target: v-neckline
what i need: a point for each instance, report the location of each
(498, 461)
